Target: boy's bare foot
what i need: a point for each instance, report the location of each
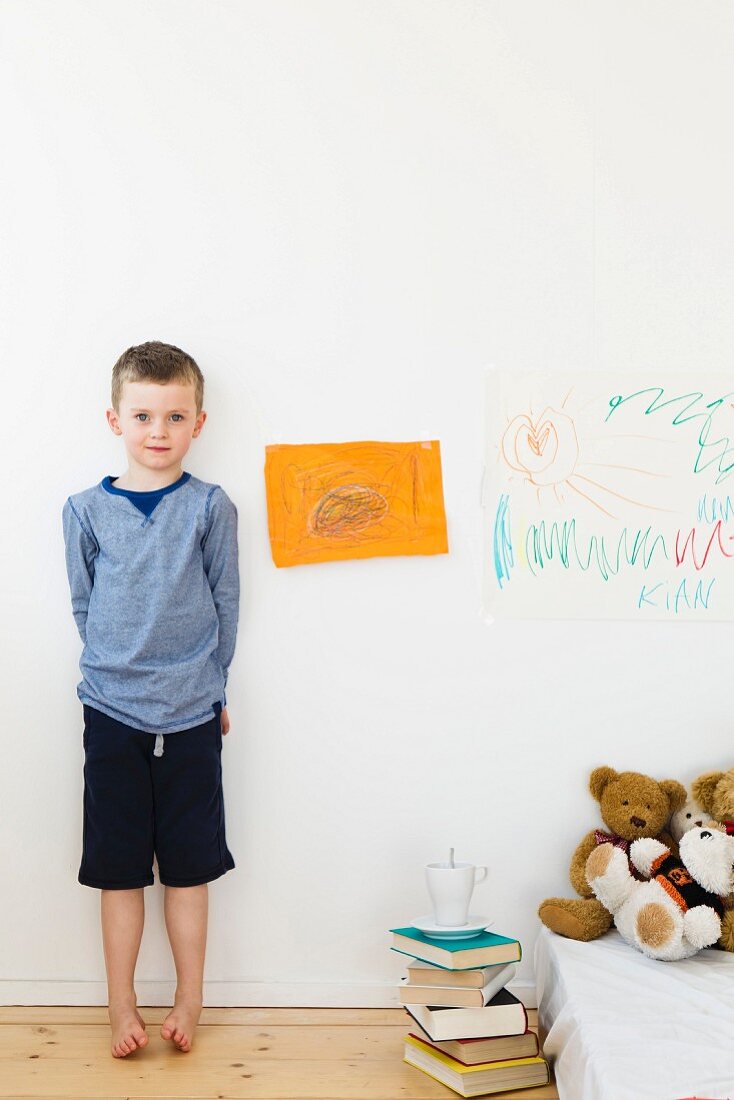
(128, 1029)
(180, 1024)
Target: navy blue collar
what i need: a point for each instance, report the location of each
(106, 483)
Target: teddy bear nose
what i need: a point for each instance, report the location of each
(638, 821)
(705, 832)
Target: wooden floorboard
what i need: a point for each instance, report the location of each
(262, 1054)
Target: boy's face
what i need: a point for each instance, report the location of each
(157, 423)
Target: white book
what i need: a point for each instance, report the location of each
(457, 996)
(504, 1015)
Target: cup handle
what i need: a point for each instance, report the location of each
(480, 878)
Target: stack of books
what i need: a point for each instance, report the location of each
(472, 1033)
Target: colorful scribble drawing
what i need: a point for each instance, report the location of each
(331, 501)
(546, 450)
(345, 512)
(605, 496)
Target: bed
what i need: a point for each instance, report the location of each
(620, 1026)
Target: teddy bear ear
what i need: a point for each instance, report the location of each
(703, 788)
(676, 793)
(599, 780)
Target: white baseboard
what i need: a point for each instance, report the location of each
(227, 994)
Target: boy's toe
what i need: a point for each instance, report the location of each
(138, 1036)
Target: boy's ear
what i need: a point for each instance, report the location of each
(600, 780)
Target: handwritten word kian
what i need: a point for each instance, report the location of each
(683, 597)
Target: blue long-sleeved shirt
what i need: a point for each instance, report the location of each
(154, 580)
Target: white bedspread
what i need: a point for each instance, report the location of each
(620, 1026)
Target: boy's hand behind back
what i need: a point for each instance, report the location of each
(225, 720)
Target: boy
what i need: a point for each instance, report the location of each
(152, 561)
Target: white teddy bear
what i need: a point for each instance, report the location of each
(689, 816)
(678, 911)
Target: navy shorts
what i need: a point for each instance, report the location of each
(137, 805)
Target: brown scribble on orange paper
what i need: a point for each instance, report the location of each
(330, 501)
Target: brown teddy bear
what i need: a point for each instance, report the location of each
(632, 806)
(714, 791)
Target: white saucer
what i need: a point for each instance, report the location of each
(473, 927)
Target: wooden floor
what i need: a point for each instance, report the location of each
(264, 1054)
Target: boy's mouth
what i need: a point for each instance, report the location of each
(158, 448)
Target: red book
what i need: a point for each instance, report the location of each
(474, 1052)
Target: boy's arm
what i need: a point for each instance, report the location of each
(221, 566)
(81, 550)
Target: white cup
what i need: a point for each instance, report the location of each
(451, 890)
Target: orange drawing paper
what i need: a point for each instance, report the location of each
(330, 501)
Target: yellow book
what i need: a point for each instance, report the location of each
(479, 1080)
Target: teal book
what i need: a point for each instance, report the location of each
(486, 949)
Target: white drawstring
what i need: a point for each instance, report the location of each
(158, 750)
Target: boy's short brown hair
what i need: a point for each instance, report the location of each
(156, 362)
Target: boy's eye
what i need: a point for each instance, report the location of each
(138, 415)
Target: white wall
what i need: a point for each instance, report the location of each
(345, 210)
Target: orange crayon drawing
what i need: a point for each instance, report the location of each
(331, 501)
(546, 451)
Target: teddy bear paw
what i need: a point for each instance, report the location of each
(702, 926)
(575, 918)
(654, 926)
(607, 873)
